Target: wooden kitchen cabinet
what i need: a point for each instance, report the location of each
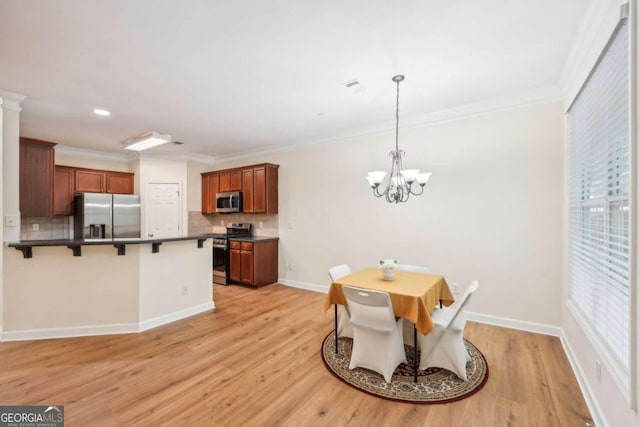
(230, 180)
(37, 161)
(253, 263)
(63, 187)
(102, 181)
(119, 182)
(209, 188)
(247, 190)
(258, 183)
(260, 189)
(89, 181)
(265, 189)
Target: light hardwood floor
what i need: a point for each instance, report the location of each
(256, 361)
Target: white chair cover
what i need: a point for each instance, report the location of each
(344, 327)
(377, 340)
(407, 328)
(444, 346)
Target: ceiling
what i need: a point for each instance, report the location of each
(229, 77)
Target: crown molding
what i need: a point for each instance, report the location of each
(540, 95)
(93, 154)
(133, 156)
(186, 157)
(11, 101)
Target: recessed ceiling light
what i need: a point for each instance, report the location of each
(101, 112)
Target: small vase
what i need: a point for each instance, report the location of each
(388, 274)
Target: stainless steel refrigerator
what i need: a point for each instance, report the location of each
(106, 216)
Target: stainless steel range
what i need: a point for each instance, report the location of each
(221, 250)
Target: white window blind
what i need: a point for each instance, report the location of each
(599, 199)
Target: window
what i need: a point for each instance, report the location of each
(599, 197)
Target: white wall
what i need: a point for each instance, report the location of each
(91, 162)
(164, 274)
(194, 184)
(57, 290)
(11, 170)
(492, 210)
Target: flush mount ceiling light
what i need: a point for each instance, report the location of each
(146, 140)
(400, 182)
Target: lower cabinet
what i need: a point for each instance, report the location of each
(253, 263)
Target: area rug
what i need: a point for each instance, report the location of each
(434, 385)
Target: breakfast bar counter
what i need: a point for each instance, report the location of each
(26, 246)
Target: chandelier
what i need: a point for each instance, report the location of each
(400, 181)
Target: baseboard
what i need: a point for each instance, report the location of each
(113, 329)
(176, 315)
(304, 285)
(70, 332)
(538, 328)
(592, 404)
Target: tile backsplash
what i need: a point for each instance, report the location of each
(263, 225)
(47, 228)
(62, 227)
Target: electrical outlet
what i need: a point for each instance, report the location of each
(260, 224)
(185, 290)
(35, 227)
(11, 221)
(456, 289)
(290, 267)
(598, 371)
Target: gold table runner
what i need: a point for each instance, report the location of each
(413, 295)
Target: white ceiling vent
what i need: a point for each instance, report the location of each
(355, 85)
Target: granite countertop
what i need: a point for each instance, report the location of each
(122, 241)
(253, 239)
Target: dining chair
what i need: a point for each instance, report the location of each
(412, 268)
(377, 335)
(407, 328)
(444, 347)
(344, 327)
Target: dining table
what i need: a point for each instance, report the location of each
(413, 296)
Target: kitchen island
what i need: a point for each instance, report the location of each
(51, 294)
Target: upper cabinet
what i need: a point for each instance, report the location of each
(69, 180)
(37, 160)
(210, 186)
(230, 180)
(89, 181)
(119, 182)
(258, 183)
(101, 181)
(63, 187)
(260, 189)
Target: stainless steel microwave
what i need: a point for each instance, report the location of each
(229, 202)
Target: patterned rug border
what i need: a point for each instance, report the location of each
(411, 402)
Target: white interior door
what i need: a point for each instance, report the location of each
(163, 210)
